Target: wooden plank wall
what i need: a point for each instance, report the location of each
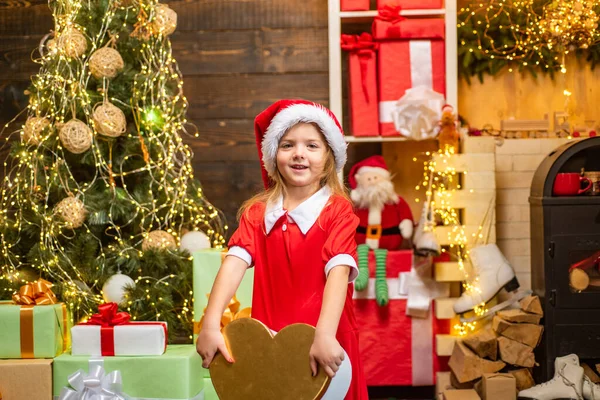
(236, 56)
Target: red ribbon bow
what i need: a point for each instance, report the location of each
(363, 46)
(390, 14)
(108, 316)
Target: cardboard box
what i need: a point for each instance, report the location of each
(464, 394)
(498, 387)
(26, 379)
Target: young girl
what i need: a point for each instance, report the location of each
(299, 236)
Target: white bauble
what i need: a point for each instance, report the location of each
(114, 288)
(194, 241)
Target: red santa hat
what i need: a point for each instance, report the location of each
(271, 124)
(372, 164)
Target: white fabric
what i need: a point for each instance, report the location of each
(305, 215)
(293, 115)
(240, 252)
(394, 290)
(343, 259)
(421, 343)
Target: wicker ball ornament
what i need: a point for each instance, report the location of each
(72, 43)
(106, 63)
(109, 120)
(75, 136)
(159, 240)
(72, 211)
(165, 19)
(32, 132)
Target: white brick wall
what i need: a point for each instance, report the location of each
(516, 162)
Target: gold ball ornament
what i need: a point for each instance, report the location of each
(109, 120)
(165, 20)
(106, 63)
(32, 132)
(75, 136)
(72, 42)
(72, 211)
(159, 240)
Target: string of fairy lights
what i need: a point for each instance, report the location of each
(59, 97)
(441, 181)
(540, 31)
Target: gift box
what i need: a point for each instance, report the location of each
(206, 266)
(175, 375)
(26, 379)
(396, 349)
(411, 54)
(110, 333)
(497, 386)
(33, 325)
(354, 5)
(362, 74)
(411, 4)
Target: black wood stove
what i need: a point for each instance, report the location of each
(565, 231)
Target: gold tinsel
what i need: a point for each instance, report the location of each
(72, 211)
(109, 120)
(72, 42)
(75, 136)
(159, 240)
(33, 129)
(165, 20)
(106, 63)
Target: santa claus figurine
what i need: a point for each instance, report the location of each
(385, 220)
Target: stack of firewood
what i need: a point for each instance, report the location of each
(505, 345)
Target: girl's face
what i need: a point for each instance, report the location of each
(301, 156)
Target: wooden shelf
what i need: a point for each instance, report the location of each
(374, 139)
(366, 16)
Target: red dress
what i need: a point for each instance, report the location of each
(291, 266)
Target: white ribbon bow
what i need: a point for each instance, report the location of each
(96, 385)
(418, 112)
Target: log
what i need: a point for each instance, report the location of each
(519, 316)
(464, 385)
(467, 366)
(515, 353)
(579, 280)
(523, 378)
(529, 334)
(590, 373)
(484, 343)
(532, 304)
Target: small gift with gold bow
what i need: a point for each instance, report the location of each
(33, 324)
(112, 333)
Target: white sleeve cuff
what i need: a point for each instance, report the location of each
(343, 259)
(241, 253)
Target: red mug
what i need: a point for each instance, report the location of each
(569, 184)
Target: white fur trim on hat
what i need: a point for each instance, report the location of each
(293, 115)
(378, 170)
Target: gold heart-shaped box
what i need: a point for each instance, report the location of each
(267, 366)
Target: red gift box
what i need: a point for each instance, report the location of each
(362, 72)
(354, 5)
(397, 350)
(411, 53)
(411, 4)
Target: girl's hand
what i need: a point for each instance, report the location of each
(327, 352)
(209, 342)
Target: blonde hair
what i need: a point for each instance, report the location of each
(328, 178)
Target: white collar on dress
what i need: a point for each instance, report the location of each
(305, 215)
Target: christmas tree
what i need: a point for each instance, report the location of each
(99, 185)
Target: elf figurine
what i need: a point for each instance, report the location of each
(385, 220)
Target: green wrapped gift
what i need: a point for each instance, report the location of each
(209, 390)
(175, 375)
(206, 265)
(31, 331)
